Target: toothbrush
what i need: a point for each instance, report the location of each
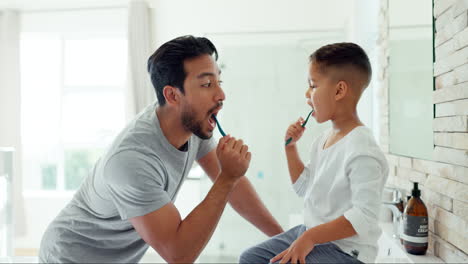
(219, 127)
(303, 124)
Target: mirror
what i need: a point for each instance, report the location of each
(411, 84)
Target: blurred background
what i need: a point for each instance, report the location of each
(73, 72)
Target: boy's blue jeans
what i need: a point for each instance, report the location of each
(322, 253)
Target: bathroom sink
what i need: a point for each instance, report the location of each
(391, 250)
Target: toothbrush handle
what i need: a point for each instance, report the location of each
(290, 139)
(303, 125)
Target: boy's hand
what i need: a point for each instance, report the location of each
(233, 156)
(297, 252)
(295, 131)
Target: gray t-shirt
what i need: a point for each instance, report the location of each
(140, 173)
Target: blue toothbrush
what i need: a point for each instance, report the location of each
(219, 127)
(303, 124)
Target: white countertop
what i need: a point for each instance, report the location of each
(396, 253)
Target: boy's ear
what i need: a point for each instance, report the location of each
(341, 90)
(172, 94)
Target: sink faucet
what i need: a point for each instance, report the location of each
(393, 206)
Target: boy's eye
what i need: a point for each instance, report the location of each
(312, 86)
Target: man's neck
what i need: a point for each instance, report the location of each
(171, 126)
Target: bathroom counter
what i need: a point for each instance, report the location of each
(392, 251)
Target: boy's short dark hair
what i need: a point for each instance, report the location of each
(343, 54)
(166, 65)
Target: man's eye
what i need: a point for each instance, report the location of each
(312, 86)
(220, 83)
(207, 85)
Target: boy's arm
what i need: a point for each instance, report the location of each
(244, 199)
(366, 176)
(295, 164)
(334, 230)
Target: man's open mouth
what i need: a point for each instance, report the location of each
(211, 117)
(211, 121)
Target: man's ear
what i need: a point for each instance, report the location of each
(341, 90)
(172, 94)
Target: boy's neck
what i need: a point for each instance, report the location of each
(345, 121)
(342, 125)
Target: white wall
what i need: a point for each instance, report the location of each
(173, 18)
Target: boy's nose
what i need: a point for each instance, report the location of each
(307, 93)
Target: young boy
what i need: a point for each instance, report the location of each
(343, 182)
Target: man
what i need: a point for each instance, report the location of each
(126, 203)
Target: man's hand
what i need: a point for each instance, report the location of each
(295, 131)
(297, 252)
(233, 156)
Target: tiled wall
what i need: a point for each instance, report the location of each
(444, 179)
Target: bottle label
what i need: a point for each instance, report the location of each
(415, 230)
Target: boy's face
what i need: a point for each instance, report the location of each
(203, 95)
(321, 94)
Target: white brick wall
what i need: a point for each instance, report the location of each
(451, 124)
(461, 209)
(460, 41)
(451, 140)
(455, 108)
(444, 178)
(450, 93)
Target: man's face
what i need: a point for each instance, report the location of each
(203, 95)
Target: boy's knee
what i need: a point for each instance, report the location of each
(250, 255)
(245, 256)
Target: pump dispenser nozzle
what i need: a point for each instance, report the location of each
(416, 192)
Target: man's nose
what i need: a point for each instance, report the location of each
(220, 96)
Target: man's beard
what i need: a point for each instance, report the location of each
(190, 123)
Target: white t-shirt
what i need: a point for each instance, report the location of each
(347, 179)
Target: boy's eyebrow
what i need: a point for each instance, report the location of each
(203, 74)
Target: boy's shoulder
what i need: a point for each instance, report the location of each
(362, 135)
(362, 142)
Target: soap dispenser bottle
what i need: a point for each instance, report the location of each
(415, 224)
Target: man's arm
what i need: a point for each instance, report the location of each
(178, 240)
(182, 241)
(243, 198)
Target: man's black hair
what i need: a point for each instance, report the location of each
(166, 65)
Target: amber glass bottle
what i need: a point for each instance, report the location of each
(415, 224)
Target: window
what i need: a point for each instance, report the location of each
(72, 104)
